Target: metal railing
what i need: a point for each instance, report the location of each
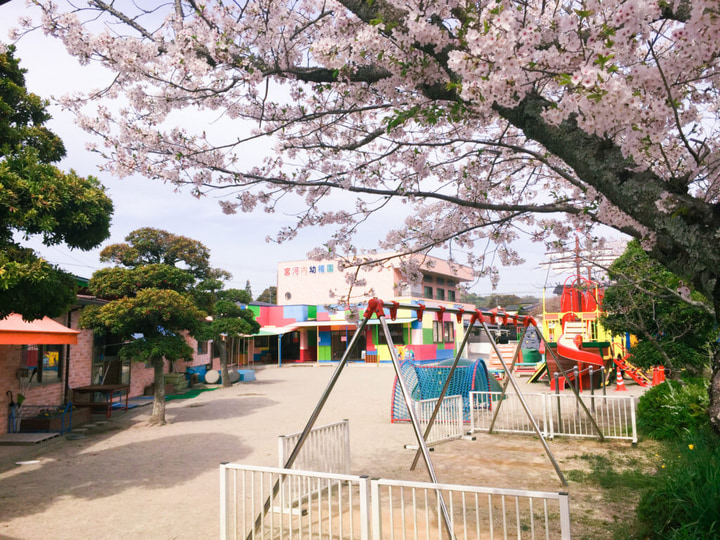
(349, 507)
(327, 449)
(556, 415)
(510, 417)
(614, 415)
(318, 505)
(409, 510)
(448, 423)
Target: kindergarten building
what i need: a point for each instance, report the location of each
(308, 324)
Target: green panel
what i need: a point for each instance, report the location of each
(324, 354)
(255, 310)
(427, 336)
(312, 313)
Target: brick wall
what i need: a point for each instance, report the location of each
(80, 372)
(140, 377)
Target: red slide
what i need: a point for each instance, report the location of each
(571, 347)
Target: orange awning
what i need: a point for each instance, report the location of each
(15, 331)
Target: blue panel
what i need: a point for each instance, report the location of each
(416, 324)
(297, 313)
(324, 339)
(444, 354)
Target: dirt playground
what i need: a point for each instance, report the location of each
(125, 479)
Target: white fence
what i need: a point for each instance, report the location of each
(448, 422)
(255, 503)
(326, 449)
(555, 414)
(614, 415)
(349, 507)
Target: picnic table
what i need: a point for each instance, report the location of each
(85, 396)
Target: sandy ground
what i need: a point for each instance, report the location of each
(126, 479)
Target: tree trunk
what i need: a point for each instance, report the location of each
(158, 411)
(224, 364)
(714, 388)
(714, 393)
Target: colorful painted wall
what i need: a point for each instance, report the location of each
(316, 333)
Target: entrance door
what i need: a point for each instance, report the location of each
(339, 342)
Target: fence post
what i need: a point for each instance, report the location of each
(376, 511)
(346, 442)
(223, 502)
(557, 393)
(365, 509)
(592, 391)
(282, 454)
(564, 516)
(634, 424)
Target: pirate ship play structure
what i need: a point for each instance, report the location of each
(579, 340)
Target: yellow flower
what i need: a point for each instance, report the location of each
(691, 446)
(663, 465)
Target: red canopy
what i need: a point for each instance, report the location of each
(15, 331)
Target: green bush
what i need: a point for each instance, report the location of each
(673, 410)
(683, 501)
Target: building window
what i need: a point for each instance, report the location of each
(427, 292)
(449, 334)
(202, 347)
(42, 363)
(440, 293)
(428, 279)
(451, 295)
(439, 280)
(396, 334)
(437, 332)
(107, 366)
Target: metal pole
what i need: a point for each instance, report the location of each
(445, 387)
(310, 423)
(527, 411)
(557, 393)
(592, 390)
(416, 425)
(604, 382)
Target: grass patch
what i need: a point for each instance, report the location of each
(189, 394)
(615, 482)
(614, 473)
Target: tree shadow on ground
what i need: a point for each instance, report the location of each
(217, 409)
(153, 464)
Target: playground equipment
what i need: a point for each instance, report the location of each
(576, 334)
(580, 340)
(425, 381)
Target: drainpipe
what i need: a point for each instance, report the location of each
(66, 371)
(279, 350)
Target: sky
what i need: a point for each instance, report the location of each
(237, 243)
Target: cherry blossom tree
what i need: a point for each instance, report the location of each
(487, 119)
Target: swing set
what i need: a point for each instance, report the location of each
(378, 308)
